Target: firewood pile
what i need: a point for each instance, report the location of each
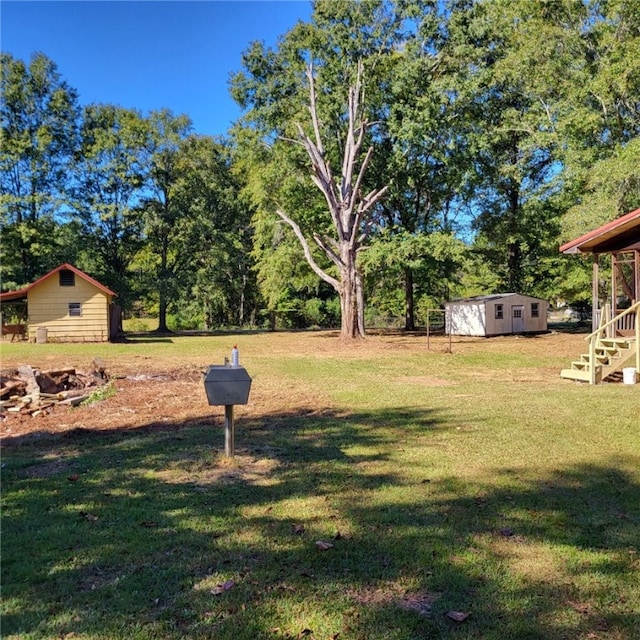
(30, 390)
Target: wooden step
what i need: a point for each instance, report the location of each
(584, 365)
(608, 349)
(619, 343)
(601, 358)
(580, 365)
(575, 374)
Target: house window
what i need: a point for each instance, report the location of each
(67, 278)
(535, 310)
(499, 312)
(75, 309)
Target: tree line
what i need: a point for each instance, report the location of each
(390, 156)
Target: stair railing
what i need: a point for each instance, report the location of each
(601, 332)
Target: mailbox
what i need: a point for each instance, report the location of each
(227, 385)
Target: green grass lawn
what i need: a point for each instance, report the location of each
(476, 482)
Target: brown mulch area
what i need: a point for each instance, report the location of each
(169, 397)
(153, 400)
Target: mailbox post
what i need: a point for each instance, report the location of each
(227, 385)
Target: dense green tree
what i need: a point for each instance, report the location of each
(39, 115)
(507, 129)
(197, 253)
(224, 278)
(111, 169)
(601, 116)
(162, 215)
(421, 158)
(435, 261)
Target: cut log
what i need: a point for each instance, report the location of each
(13, 387)
(48, 385)
(32, 388)
(75, 400)
(99, 365)
(56, 373)
(72, 393)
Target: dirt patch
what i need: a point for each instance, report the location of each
(172, 396)
(419, 602)
(242, 468)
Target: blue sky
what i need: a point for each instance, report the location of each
(149, 55)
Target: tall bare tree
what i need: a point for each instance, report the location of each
(350, 209)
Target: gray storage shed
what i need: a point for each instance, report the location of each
(497, 314)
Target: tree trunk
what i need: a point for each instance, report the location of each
(409, 308)
(351, 296)
(360, 298)
(162, 314)
(162, 288)
(514, 266)
(349, 311)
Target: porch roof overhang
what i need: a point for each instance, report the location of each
(10, 296)
(622, 234)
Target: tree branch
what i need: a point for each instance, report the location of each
(313, 108)
(331, 251)
(307, 251)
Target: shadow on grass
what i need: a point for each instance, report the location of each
(130, 534)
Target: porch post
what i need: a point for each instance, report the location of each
(636, 268)
(595, 321)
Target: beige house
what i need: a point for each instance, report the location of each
(67, 305)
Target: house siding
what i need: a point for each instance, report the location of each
(49, 307)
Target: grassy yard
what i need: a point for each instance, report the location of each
(471, 494)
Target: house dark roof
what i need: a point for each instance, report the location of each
(622, 234)
(20, 294)
(490, 297)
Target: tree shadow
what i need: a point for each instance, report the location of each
(137, 532)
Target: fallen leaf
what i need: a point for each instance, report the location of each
(149, 524)
(457, 616)
(221, 588)
(73, 477)
(323, 546)
(507, 532)
(89, 516)
(297, 528)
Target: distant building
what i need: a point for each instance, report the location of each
(67, 305)
(497, 314)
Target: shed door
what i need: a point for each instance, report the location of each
(517, 318)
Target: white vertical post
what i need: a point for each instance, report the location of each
(594, 292)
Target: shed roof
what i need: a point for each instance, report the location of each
(20, 294)
(621, 234)
(492, 296)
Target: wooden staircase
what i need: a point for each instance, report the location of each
(608, 354)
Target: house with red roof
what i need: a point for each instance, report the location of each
(67, 305)
(613, 343)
